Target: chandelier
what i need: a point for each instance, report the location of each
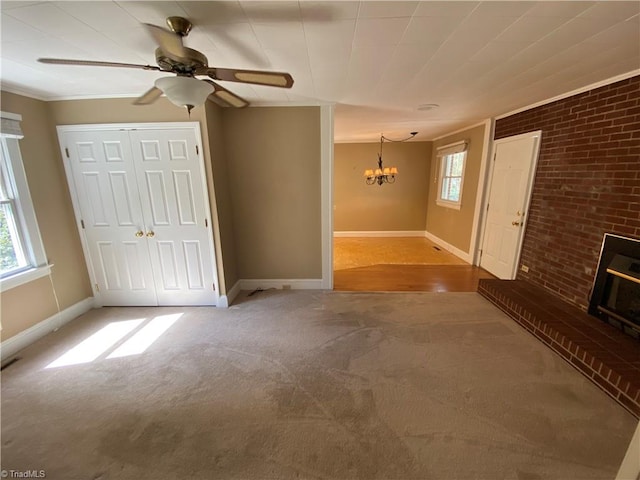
(384, 174)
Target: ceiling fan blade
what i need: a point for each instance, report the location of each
(92, 63)
(225, 98)
(169, 42)
(256, 77)
(148, 97)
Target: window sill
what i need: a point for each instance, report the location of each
(454, 206)
(24, 277)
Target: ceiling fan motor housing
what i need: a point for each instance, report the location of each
(184, 65)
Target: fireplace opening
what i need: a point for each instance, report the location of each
(615, 297)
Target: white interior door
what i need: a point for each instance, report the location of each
(143, 206)
(111, 213)
(172, 190)
(510, 189)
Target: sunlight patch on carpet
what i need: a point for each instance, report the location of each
(98, 343)
(106, 338)
(145, 336)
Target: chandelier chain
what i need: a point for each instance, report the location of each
(384, 175)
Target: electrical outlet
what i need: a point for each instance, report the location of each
(524, 268)
(286, 286)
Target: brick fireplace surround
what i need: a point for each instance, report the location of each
(587, 184)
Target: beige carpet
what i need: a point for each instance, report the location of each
(312, 385)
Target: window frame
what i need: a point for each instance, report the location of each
(23, 211)
(445, 155)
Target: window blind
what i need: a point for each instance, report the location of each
(10, 125)
(453, 148)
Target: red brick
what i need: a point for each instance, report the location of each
(585, 158)
(614, 378)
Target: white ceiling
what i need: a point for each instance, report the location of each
(376, 61)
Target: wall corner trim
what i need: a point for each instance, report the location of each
(447, 246)
(25, 338)
(477, 229)
(232, 294)
(222, 302)
(326, 194)
(630, 467)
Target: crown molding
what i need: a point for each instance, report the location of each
(577, 91)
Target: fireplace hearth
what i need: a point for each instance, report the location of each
(615, 296)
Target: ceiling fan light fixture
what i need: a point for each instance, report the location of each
(184, 91)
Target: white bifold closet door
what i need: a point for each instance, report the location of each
(143, 211)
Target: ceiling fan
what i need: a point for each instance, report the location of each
(185, 89)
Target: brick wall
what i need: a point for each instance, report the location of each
(587, 183)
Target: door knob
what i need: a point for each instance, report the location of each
(515, 224)
(139, 233)
(151, 234)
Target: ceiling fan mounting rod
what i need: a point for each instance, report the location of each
(179, 25)
(188, 64)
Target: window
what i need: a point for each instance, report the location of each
(22, 256)
(451, 176)
(12, 256)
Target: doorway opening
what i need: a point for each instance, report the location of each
(410, 264)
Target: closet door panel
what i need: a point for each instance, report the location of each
(106, 188)
(173, 197)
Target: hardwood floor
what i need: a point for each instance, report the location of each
(400, 264)
(410, 278)
(353, 252)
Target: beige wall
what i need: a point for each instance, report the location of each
(26, 305)
(398, 207)
(223, 195)
(267, 213)
(121, 110)
(455, 226)
(273, 156)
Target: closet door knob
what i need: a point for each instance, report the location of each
(151, 234)
(139, 233)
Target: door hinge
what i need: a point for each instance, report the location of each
(97, 288)
(197, 150)
(487, 207)
(494, 156)
(480, 253)
(206, 222)
(214, 287)
(66, 150)
(82, 223)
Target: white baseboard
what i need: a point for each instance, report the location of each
(450, 248)
(388, 233)
(225, 300)
(280, 283)
(13, 345)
